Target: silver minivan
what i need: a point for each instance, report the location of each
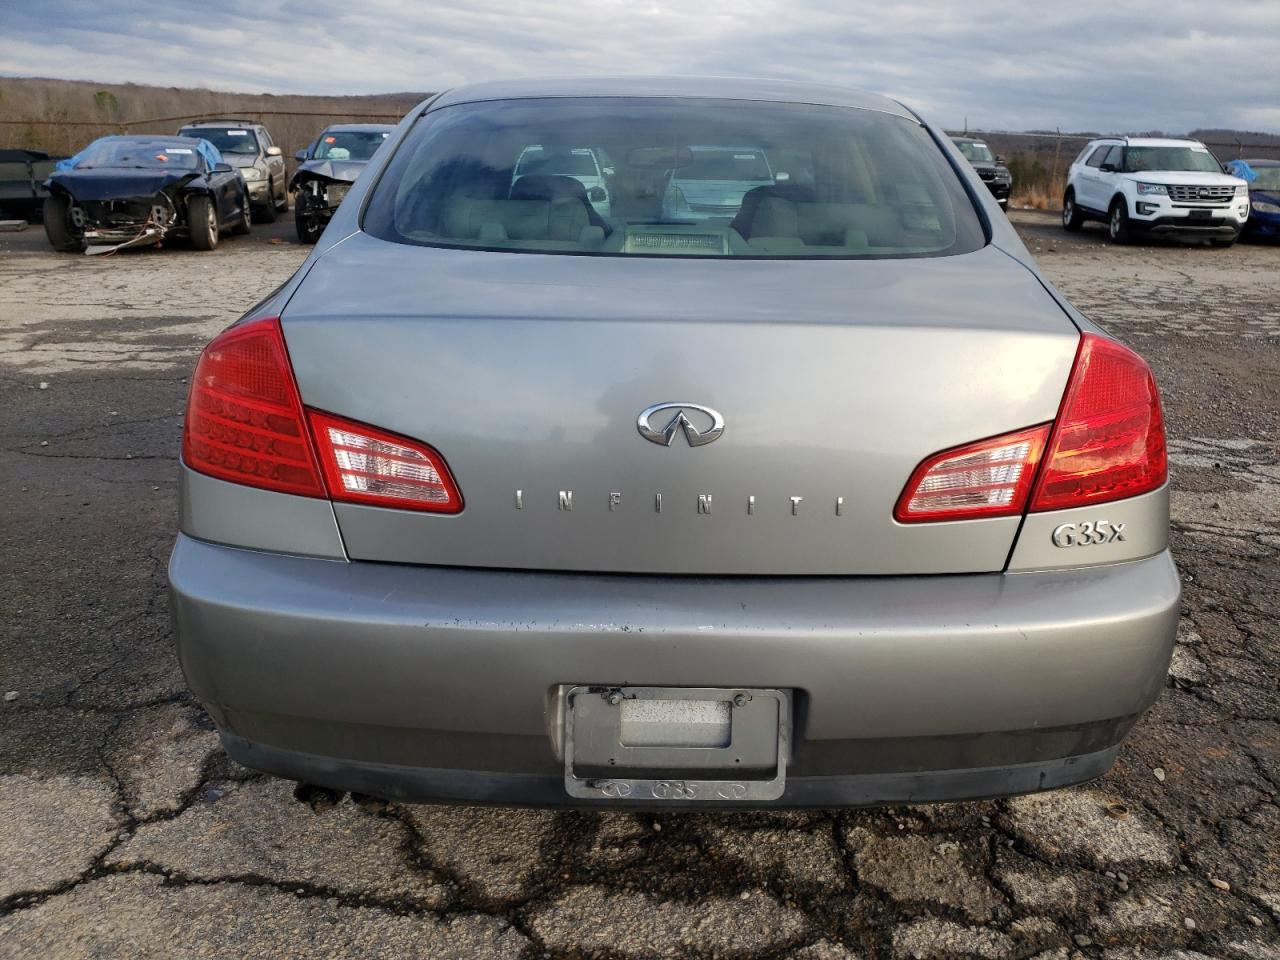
(832, 501)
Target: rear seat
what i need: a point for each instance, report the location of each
(779, 225)
(565, 219)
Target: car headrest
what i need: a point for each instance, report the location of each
(744, 222)
(544, 186)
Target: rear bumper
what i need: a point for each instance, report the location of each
(440, 683)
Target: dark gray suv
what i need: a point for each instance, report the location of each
(828, 500)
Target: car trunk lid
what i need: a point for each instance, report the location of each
(529, 373)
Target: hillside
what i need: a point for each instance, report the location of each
(60, 116)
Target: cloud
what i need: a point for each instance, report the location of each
(1007, 64)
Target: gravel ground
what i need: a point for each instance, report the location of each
(125, 832)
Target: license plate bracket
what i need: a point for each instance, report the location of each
(676, 744)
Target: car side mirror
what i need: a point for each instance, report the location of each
(274, 151)
(1107, 168)
(300, 156)
(1000, 159)
(782, 177)
(223, 168)
(597, 195)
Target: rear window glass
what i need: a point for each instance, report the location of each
(675, 178)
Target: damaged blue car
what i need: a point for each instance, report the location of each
(129, 191)
(1263, 177)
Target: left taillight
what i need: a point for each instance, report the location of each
(990, 478)
(365, 465)
(246, 424)
(244, 417)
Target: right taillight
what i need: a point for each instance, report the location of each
(1108, 440)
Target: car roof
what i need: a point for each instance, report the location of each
(221, 123)
(1161, 142)
(359, 128)
(1147, 141)
(718, 88)
(171, 139)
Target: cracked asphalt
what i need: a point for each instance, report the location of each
(125, 831)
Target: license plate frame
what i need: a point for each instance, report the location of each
(691, 780)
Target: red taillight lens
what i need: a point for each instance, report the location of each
(244, 418)
(365, 465)
(245, 423)
(1107, 444)
(990, 478)
(1108, 441)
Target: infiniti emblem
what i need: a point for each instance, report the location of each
(659, 427)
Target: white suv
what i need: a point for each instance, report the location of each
(1144, 184)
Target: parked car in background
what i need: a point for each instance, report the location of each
(1150, 185)
(579, 163)
(990, 168)
(139, 190)
(22, 189)
(712, 181)
(1263, 178)
(327, 169)
(249, 147)
(835, 502)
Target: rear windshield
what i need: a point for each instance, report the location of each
(781, 180)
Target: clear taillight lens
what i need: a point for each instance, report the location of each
(990, 478)
(1108, 441)
(365, 465)
(244, 419)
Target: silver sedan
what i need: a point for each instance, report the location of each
(830, 500)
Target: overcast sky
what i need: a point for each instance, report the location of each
(1003, 64)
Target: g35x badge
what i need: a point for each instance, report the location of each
(664, 434)
(1087, 534)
